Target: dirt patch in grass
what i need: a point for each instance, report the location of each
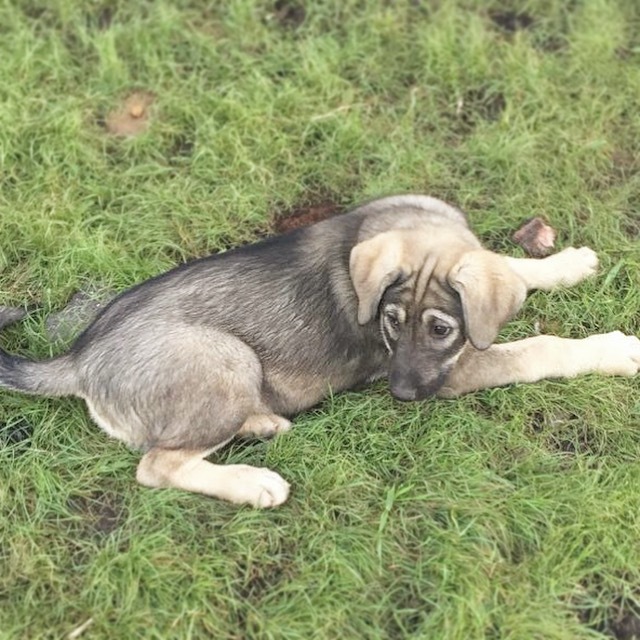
(181, 148)
(565, 432)
(132, 117)
(624, 626)
(620, 620)
(289, 14)
(102, 17)
(537, 421)
(476, 105)
(550, 43)
(306, 214)
(511, 21)
(260, 579)
(569, 446)
(483, 103)
(16, 435)
(102, 513)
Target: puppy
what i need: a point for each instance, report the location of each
(232, 343)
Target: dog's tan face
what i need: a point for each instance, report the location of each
(430, 294)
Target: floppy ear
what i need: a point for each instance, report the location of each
(374, 265)
(491, 293)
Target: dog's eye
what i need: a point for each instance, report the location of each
(393, 320)
(440, 330)
(393, 317)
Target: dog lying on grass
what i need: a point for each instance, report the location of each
(231, 344)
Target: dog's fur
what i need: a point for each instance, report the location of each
(229, 344)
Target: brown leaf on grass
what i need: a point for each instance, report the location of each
(132, 118)
(536, 237)
(305, 215)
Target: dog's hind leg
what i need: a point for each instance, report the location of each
(563, 269)
(264, 425)
(541, 357)
(189, 471)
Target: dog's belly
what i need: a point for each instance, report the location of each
(285, 397)
(287, 393)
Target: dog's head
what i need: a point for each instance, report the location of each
(431, 292)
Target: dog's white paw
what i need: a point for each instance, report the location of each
(256, 486)
(264, 425)
(574, 265)
(615, 353)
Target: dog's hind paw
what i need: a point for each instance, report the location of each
(574, 265)
(256, 486)
(615, 353)
(264, 425)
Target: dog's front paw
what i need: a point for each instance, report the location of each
(257, 486)
(615, 353)
(574, 265)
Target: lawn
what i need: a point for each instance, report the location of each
(508, 514)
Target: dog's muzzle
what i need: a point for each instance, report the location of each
(409, 387)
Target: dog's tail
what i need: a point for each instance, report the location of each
(54, 377)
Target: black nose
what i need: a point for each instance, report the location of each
(403, 390)
(410, 387)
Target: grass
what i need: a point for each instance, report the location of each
(511, 513)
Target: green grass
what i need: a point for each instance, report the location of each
(508, 514)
